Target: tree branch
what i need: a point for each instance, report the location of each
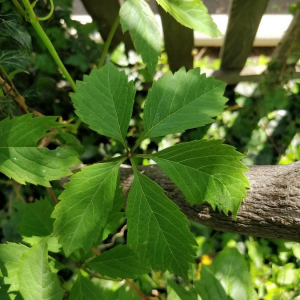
(271, 210)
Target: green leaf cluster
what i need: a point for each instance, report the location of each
(158, 233)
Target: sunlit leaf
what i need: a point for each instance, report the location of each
(138, 18)
(157, 231)
(206, 171)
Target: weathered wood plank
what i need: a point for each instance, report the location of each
(244, 19)
(289, 47)
(179, 42)
(104, 13)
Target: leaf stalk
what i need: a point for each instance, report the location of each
(108, 41)
(34, 20)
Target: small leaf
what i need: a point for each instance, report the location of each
(182, 101)
(23, 161)
(36, 218)
(227, 278)
(10, 29)
(157, 231)
(104, 101)
(14, 60)
(182, 293)
(206, 171)
(192, 14)
(53, 245)
(138, 18)
(119, 262)
(85, 206)
(10, 256)
(85, 289)
(35, 277)
(115, 216)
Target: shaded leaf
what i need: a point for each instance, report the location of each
(104, 101)
(227, 278)
(10, 28)
(85, 205)
(36, 218)
(85, 289)
(35, 276)
(138, 18)
(192, 14)
(206, 171)
(119, 262)
(157, 231)
(10, 256)
(13, 60)
(23, 161)
(182, 101)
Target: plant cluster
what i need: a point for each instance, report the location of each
(69, 233)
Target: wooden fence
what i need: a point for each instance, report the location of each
(244, 19)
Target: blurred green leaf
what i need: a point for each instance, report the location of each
(228, 276)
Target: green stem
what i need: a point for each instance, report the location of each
(33, 19)
(122, 158)
(142, 155)
(138, 142)
(19, 7)
(108, 41)
(50, 13)
(7, 182)
(97, 275)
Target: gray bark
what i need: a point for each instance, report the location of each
(271, 209)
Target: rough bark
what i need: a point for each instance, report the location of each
(271, 209)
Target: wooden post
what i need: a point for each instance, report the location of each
(104, 13)
(244, 19)
(179, 42)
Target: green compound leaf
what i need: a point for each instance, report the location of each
(227, 278)
(10, 256)
(85, 206)
(192, 14)
(206, 171)
(120, 262)
(104, 101)
(138, 18)
(182, 101)
(35, 276)
(23, 161)
(157, 231)
(85, 289)
(36, 218)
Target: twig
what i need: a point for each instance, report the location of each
(96, 251)
(139, 292)
(52, 195)
(97, 275)
(108, 41)
(10, 89)
(271, 139)
(117, 235)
